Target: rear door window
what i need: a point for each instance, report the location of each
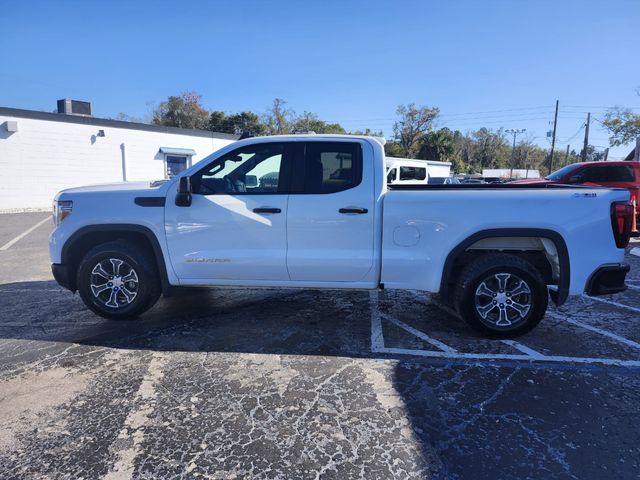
(607, 174)
(329, 167)
(413, 173)
(620, 173)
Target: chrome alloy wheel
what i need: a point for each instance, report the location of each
(114, 283)
(503, 299)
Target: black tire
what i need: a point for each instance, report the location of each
(128, 295)
(484, 295)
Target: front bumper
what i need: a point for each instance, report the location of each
(61, 274)
(607, 279)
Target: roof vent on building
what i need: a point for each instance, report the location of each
(74, 107)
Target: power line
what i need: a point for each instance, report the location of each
(461, 121)
(549, 109)
(601, 108)
(568, 140)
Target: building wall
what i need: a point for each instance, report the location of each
(510, 173)
(439, 171)
(44, 157)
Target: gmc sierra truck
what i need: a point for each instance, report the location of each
(315, 211)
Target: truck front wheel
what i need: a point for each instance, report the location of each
(118, 281)
(501, 295)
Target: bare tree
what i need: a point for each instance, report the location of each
(413, 123)
(278, 118)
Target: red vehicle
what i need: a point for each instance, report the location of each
(607, 174)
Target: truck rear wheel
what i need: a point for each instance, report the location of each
(118, 281)
(501, 295)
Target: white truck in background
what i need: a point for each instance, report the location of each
(409, 171)
(315, 211)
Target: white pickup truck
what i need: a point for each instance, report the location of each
(315, 211)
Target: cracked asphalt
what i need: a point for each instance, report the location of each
(226, 384)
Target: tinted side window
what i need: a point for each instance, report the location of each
(620, 173)
(391, 176)
(253, 169)
(413, 173)
(331, 167)
(587, 174)
(608, 173)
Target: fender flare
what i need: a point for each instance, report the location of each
(67, 249)
(559, 297)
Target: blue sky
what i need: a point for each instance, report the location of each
(348, 61)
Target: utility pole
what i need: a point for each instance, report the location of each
(586, 138)
(606, 154)
(553, 140)
(514, 132)
(566, 156)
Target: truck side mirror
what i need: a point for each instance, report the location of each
(250, 181)
(183, 197)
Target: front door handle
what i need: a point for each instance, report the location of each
(266, 210)
(356, 210)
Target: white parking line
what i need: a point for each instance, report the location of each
(8, 245)
(611, 302)
(29, 290)
(491, 357)
(523, 348)
(421, 335)
(529, 355)
(377, 341)
(600, 331)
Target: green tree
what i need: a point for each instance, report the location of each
(218, 122)
(623, 126)
(458, 165)
(413, 123)
(527, 154)
(393, 149)
(489, 149)
(243, 123)
(246, 123)
(184, 111)
(309, 122)
(368, 132)
(439, 145)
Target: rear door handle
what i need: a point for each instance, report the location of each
(266, 210)
(356, 210)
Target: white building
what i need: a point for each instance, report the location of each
(42, 153)
(515, 173)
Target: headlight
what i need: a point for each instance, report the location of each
(61, 210)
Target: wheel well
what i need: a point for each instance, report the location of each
(78, 247)
(546, 250)
(536, 258)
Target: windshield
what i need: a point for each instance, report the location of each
(558, 174)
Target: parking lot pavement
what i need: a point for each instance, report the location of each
(308, 384)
